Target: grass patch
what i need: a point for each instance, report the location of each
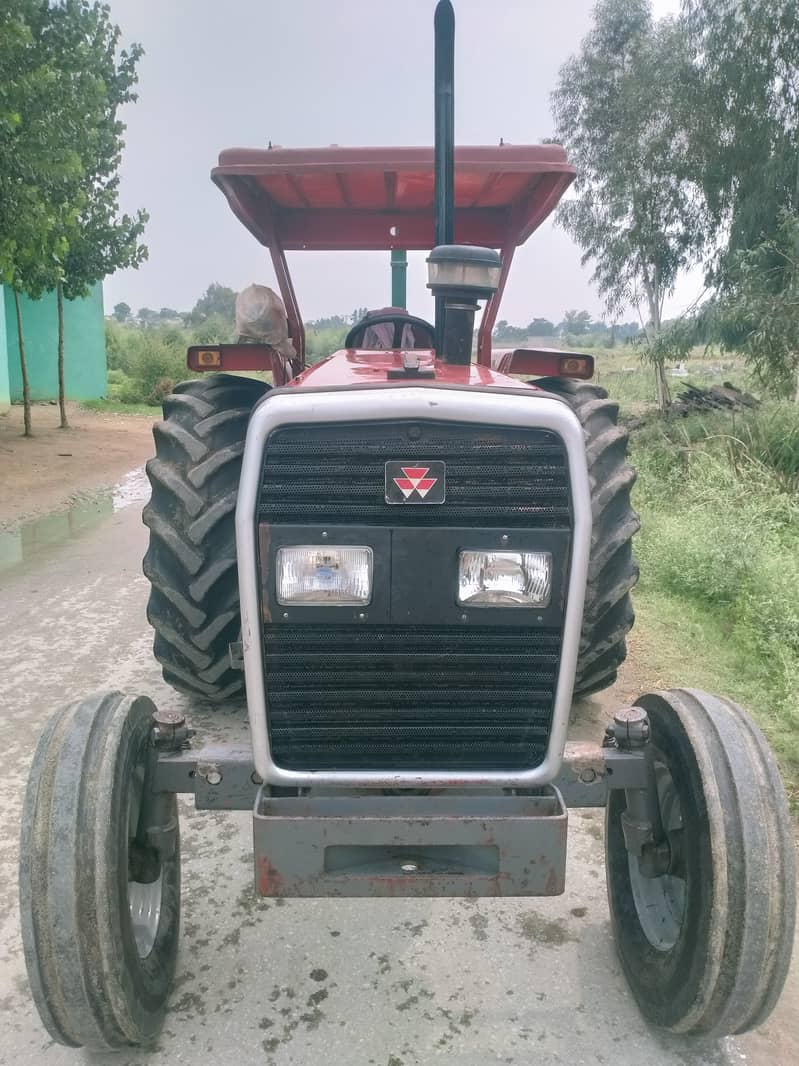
(681, 645)
(719, 554)
(116, 407)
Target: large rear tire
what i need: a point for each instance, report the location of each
(706, 946)
(612, 571)
(191, 560)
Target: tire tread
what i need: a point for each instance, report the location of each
(191, 560)
(608, 614)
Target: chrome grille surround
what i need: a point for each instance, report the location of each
(520, 408)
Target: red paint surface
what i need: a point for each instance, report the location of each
(543, 362)
(356, 367)
(357, 198)
(330, 199)
(241, 357)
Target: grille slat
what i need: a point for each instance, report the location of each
(468, 704)
(399, 697)
(495, 475)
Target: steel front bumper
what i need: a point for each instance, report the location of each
(449, 844)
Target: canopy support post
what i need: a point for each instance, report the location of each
(491, 309)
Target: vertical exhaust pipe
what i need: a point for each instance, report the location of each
(444, 138)
(459, 276)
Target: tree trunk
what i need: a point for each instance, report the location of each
(26, 392)
(662, 387)
(661, 384)
(61, 399)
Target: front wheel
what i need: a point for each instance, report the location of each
(706, 946)
(100, 910)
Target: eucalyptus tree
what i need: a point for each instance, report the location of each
(619, 109)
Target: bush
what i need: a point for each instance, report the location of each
(720, 530)
(121, 344)
(320, 343)
(158, 359)
(162, 388)
(214, 330)
(130, 392)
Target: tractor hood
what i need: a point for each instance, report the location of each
(354, 366)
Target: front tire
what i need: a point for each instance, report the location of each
(706, 947)
(608, 615)
(191, 560)
(100, 938)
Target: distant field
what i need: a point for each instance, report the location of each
(620, 371)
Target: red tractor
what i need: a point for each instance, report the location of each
(409, 561)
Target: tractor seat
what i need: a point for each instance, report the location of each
(390, 327)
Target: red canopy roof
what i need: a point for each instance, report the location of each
(327, 199)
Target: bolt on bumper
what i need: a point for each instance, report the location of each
(449, 842)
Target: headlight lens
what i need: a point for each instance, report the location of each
(504, 579)
(322, 574)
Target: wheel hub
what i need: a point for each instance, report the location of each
(145, 875)
(144, 902)
(660, 901)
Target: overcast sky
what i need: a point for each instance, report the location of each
(305, 73)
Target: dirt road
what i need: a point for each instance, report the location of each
(345, 983)
(45, 473)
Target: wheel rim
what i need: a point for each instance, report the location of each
(660, 901)
(144, 902)
(144, 898)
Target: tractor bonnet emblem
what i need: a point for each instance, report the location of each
(415, 482)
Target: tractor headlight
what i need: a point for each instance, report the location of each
(504, 579)
(322, 574)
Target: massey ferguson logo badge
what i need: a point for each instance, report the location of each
(415, 482)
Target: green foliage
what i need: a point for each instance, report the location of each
(505, 333)
(761, 310)
(720, 526)
(83, 44)
(337, 322)
(320, 342)
(576, 323)
(114, 347)
(216, 301)
(743, 103)
(619, 111)
(156, 368)
(215, 329)
(541, 327)
(145, 364)
(62, 80)
(122, 312)
(720, 531)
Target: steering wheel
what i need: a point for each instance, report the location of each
(399, 322)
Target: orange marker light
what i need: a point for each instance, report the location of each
(575, 367)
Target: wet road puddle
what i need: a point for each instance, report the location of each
(39, 535)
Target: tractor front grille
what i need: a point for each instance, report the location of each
(409, 698)
(380, 696)
(496, 475)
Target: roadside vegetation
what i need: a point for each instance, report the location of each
(718, 600)
(147, 351)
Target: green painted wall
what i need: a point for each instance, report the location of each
(84, 347)
(5, 393)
